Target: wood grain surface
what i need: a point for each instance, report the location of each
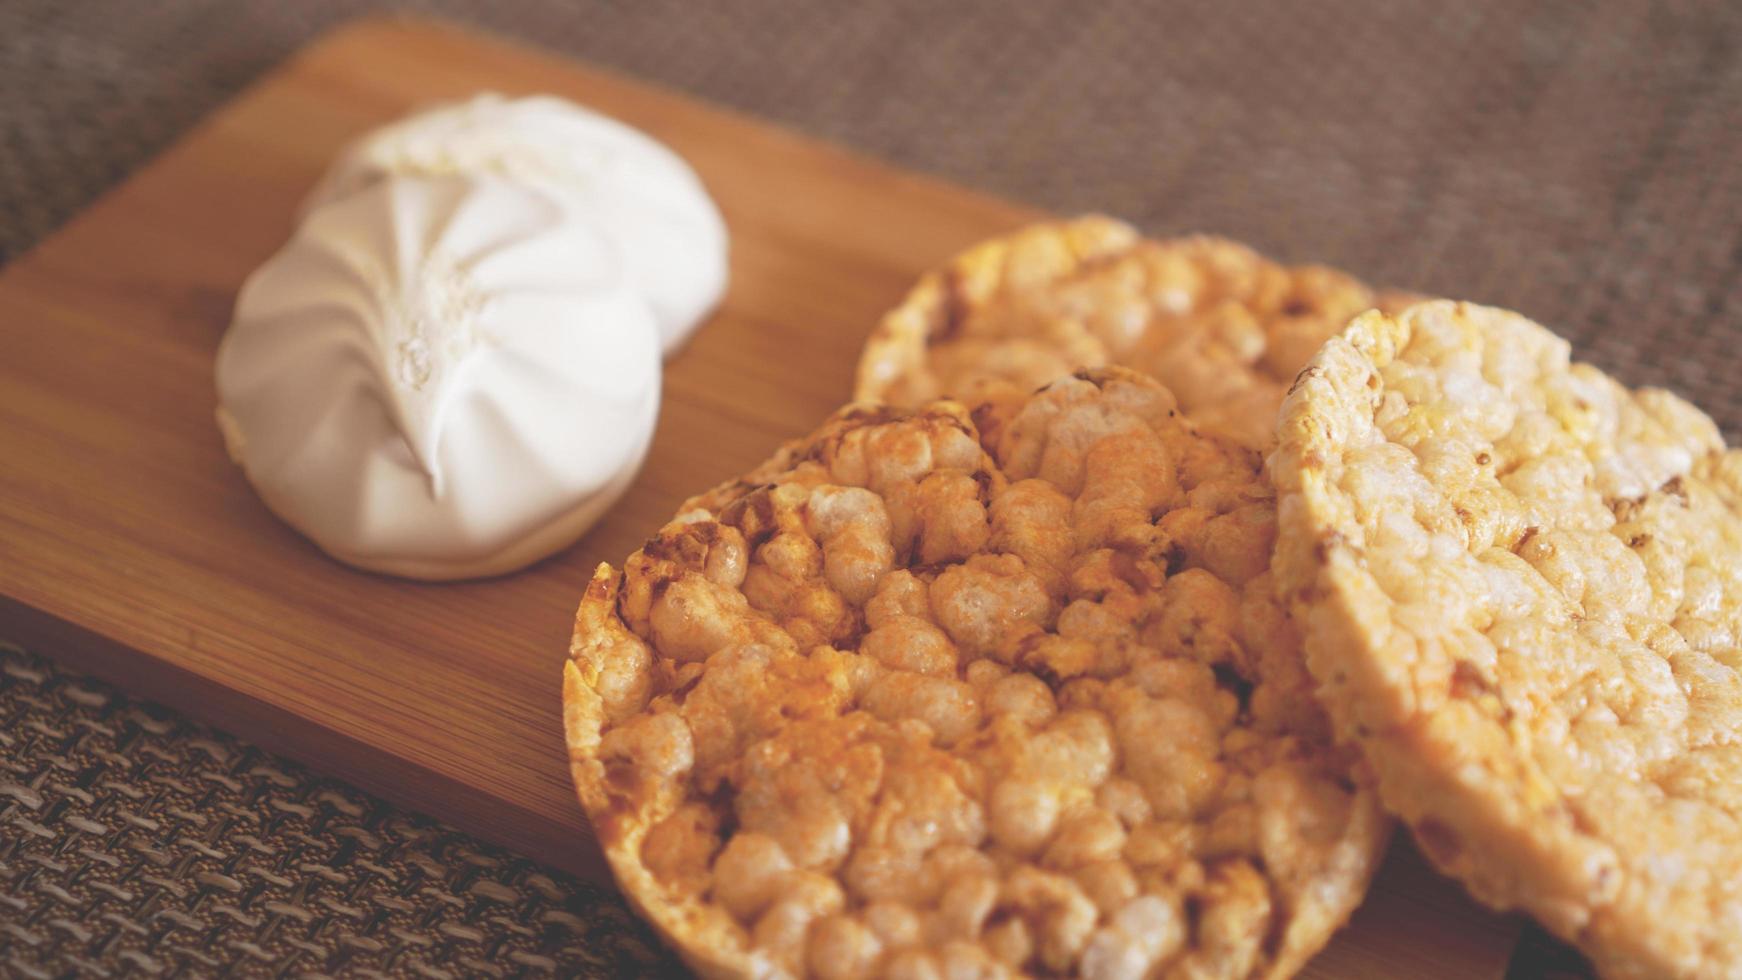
(130, 546)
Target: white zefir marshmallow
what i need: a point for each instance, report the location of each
(643, 198)
(440, 377)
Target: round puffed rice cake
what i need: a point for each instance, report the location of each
(904, 705)
(1223, 327)
(1522, 588)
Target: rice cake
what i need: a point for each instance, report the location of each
(1521, 585)
(1223, 327)
(953, 692)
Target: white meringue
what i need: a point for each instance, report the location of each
(440, 377)
(640, 195)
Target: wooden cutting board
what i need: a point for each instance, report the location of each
(130, 546)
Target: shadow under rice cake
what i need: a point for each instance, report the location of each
(940, 693)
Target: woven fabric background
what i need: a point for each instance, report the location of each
(133, 842)
(1579, 160)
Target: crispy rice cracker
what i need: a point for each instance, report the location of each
(906, 705)
(1223, 327)
(1522, 588)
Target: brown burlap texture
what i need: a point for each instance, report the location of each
(1580, 161)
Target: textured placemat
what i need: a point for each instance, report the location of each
(133, 841)
(1578, 160)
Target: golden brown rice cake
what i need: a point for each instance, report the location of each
(1522, 588)
(906, 705)
(1220, 325)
